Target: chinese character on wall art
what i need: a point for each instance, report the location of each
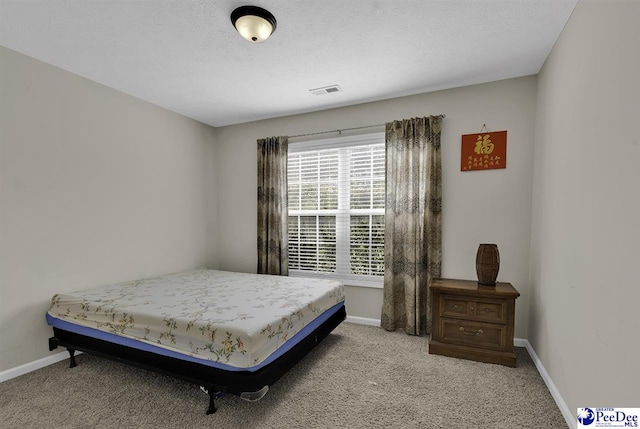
(484, 151)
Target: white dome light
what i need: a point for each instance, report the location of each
(253, 23)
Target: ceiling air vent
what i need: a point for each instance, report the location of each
(326, 90)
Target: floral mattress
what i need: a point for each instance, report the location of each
(236, 321)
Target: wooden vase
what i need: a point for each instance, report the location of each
(487, 264)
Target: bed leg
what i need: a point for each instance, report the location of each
(72, 358)
(212, 402)
(53, 343)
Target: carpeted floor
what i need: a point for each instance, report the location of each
(358, 377)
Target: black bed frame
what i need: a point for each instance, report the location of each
(214, 380)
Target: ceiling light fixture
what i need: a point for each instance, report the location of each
(253, 23)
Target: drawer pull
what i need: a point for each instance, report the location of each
(478, 332)
(456, 307)
(488, 310)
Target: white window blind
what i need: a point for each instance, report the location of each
(336, 208)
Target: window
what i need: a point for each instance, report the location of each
(336, 208)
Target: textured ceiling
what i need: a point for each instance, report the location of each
(186, 56)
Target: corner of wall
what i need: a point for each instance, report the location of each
(211, 199)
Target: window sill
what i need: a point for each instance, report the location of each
(363, 281)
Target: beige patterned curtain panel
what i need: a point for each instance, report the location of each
(413, 224)
(273, 255)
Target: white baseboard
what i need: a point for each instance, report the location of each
(32, 366)
(520, 342)
(568, 415)
(363, 321)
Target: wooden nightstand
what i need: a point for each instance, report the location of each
(474, 322)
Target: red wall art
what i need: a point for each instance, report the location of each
(484, 151)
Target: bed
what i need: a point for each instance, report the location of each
(227, 332)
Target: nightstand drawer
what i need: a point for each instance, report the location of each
(474, 334)
(491, 311)
(454, 307)
(485, 310)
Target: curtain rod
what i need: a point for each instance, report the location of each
(336, 131)
(339, 131)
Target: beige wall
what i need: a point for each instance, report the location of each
(485, 206)
(585, 283)
(95, 186)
